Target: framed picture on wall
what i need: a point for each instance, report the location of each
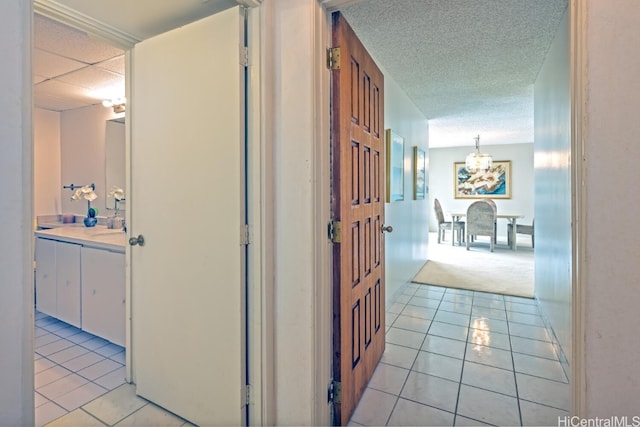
(492, 184)
(419, 173)
(395, 166)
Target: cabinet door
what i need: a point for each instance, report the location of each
(68, 280)
(103, 294)
(46, 293)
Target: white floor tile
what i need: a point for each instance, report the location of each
(489, 407)
(420, 312)
(396, 308)
(399, 356)
(374, 408)
(408, 413)
(48, 412)
(388, 378)
(438, 365)
(424, 302)
(115, 405)
(489, 356)
(537, 366)
(546, 392)
(445, 346)
(533, 347)
(448, 330)
(49, 376)
(405, 338)
(45, 338)
(77, 418)
(486, 324)
(525, 318)
(83, 361)
(113, 379)
(489, 378)
(464, 421)
(455, 307)
(81, 395)
(492, 313)
(492, 339)
(68, 354)
(521, 307)
(412, 323)
(54, 347)
(99, 369)
(42, 364)
(62, 386)
(432, 391)
(109, 350)
(453, 318)
(432, 292)
(151, 415)
(534, 414)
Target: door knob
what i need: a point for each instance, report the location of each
(136, 240)
(388, 228)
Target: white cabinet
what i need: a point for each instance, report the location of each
(103, 294)
(58, 280)
(46, 287)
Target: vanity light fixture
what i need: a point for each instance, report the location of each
(118, 104)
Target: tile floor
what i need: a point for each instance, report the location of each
(80, 381)
(453, 357)
(459, 357)
(72, 367)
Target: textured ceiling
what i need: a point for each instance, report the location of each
(468, 65)
(72, 70)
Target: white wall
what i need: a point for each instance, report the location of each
(406, 246)
(82, 138)
(46, 167)
(16, 216)
(552, 112)
(441, 176)
(611, 148)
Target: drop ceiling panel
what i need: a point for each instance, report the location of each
(115, 65)
(60, 90)
(49, 65)
(70, 43)
(94, 79)
(57, 104)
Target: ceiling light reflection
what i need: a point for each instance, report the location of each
(481, 334)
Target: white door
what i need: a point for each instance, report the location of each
(187, 201)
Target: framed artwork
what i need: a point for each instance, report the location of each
(492, 184)
(395, 167)
(419, 173)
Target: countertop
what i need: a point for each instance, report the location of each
(99, 236)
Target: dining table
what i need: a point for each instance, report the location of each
(511, 217)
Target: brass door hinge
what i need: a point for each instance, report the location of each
(333, 58)
(334, 392)
(334, 231)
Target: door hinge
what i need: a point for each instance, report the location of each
(334, 231)
(334, 392)
(333, 58)
(244, 235)
(244, 56)
(246, 395)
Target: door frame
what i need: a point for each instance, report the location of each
(259, 324)
(261, 264)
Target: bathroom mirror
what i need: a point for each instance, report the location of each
(114, 146)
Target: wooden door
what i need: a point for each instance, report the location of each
(187, 200)
(358, 204)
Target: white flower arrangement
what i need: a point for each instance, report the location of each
(87, 193)
(118, 194)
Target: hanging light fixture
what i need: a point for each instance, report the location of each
(478, 161)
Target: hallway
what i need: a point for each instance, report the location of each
(459, 357)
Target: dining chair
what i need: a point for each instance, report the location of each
(481, 221)
(521, 229)
(443, 226)
(495, 231)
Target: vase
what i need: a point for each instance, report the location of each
(90, 221)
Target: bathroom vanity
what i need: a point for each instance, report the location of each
(80, 278)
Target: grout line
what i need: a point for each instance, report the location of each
(515, 378)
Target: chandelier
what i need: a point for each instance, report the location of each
(478, 161)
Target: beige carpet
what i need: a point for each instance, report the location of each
(502, 271)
